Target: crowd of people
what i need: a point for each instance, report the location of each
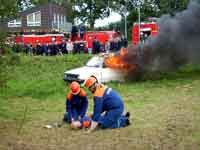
(51, 49)
(70, 47)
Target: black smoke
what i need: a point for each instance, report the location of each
(177, 42)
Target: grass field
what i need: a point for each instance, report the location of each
(165, 112)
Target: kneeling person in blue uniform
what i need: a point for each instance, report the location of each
(108, 106)
(76, 106)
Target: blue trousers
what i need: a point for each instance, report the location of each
(113, 119)
(74, 115)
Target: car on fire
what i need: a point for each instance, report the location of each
(95, 66)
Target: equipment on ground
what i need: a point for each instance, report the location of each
(54, 125)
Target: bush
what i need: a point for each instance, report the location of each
(3, 72)
(18, 49)
(6, 64)
(3, 36)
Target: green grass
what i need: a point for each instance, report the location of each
(38, 79)
(165, 110)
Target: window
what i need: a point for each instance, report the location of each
(61, 19)
(64, 19)
(15, 23)
(54, 18)
(58, 19)
(34, 19)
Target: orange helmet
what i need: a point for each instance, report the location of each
(86, 124)
(75, 87)
(90, 81)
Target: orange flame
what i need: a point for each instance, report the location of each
(116, 61)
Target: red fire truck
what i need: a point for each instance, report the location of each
(146, 29)
(42, 39)
(101, 36)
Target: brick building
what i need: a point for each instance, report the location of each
(40, 19)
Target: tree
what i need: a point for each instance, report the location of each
(8, 8)
(153, 8)
(147, 9)
(90, 10)
(171, 6)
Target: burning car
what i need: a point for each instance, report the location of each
(106, 67)
(95, 66)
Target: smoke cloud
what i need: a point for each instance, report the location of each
(177, 42)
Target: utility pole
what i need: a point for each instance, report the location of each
(125, 21)
(139, 21)
(124, 12)
(125, 26)
(139, 15)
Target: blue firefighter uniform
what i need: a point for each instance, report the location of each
(108, 101)
(76, 105)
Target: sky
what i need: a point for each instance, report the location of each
(114, 17)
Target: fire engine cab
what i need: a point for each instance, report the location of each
(101, 36)
(145, 29)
